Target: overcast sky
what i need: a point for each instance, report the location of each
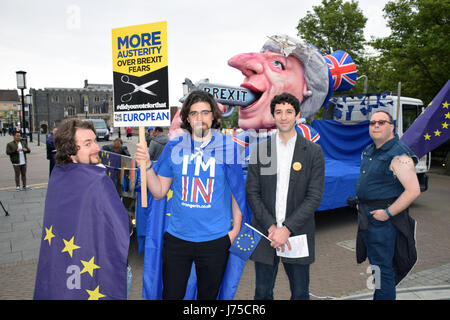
(62, 43)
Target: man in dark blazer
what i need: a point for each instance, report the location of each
(284, 188)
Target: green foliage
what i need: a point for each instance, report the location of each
(232, 121)
(335, 25)
(417, 52)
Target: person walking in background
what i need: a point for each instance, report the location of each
(157, 143)
(51, 150)
(17, 150)
(129, 133)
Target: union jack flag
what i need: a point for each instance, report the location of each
(343, 70)
(308, 132)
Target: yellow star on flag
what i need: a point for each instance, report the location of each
(69, 246)
(445, 125)
(169, 194)
(49, 235)
(445, 105)
(95, 294)
(437, 133)
(427, 136)
(89, 267)
(447, 115)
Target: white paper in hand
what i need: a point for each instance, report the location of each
(299, 248)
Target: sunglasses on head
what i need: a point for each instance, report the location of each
(380, 122)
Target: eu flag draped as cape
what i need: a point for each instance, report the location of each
(431, 128)
(158, 214)
(85, 238)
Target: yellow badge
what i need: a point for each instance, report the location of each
(297, 166)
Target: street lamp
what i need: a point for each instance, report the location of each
(30, 102)
(21, 84)
(365, 82)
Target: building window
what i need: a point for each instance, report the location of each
(69, 99)
(69, 111)
(55, 99)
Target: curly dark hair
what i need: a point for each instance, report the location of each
(285, 98)
(199, 96)
(65, 143)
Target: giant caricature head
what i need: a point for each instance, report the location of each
(283, 65)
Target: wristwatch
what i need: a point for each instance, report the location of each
(150, 166)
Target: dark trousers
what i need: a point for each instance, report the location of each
(380, 244)
(20, 171)
(51, 166)
(266, 275)
(210, 258)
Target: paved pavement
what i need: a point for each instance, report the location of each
(20, 234)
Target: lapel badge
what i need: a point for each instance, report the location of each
(297, 166)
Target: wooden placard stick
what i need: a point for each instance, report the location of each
(143, 167)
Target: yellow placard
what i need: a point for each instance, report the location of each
(139, 50)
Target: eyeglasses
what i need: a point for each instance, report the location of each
(203, 113)
(380, 122)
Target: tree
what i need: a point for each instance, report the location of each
(335, 25)
(417, 52)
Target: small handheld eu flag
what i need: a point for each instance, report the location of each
(245, 242)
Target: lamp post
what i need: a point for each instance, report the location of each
(21, 84)
(30, 120)
(365, 82)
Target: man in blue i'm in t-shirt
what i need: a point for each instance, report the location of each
(205, 217)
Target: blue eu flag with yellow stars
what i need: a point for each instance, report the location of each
(245, 243)
(85, 238)
(432, 127)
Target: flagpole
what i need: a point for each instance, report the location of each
(256, 231)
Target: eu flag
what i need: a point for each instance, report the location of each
(85, 238)
(431, 128)
(245, 243)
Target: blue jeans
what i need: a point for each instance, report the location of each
(266, 274)
(380, 244)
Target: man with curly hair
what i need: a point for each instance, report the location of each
(85, 238)
(206, 215)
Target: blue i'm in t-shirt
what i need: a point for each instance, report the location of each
(201, 200)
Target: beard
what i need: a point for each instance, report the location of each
(95, 161)
(200, 129)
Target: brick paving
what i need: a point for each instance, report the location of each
(335, 272)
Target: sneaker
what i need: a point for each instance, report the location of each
(17, 188)
(27, 188)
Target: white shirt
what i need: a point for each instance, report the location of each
(21, 155)
(285, 153)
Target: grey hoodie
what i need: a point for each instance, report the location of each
(157, 145)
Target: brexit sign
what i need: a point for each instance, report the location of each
(140, 75)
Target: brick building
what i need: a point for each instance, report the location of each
(52, 105)
(10, 108)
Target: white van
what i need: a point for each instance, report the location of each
(101, 130)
